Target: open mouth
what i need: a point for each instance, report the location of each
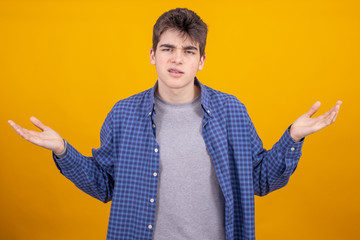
(175, 72)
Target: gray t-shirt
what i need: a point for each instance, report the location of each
(189, 204)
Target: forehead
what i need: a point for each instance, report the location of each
(176, 38)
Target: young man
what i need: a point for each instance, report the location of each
(180, 160)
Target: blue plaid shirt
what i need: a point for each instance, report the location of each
(125, 169)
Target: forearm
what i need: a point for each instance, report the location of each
(85, 173)
(273, 168)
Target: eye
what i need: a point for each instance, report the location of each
(166, 49)
(190, 52)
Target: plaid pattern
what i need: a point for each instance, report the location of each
(125, 169)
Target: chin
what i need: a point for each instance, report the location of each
(174, 83)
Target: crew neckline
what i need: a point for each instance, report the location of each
(157, 97)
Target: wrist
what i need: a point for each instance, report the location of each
(293, 136)
(61, 149)
(296, 139)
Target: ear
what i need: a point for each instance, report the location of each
(201, 63)
(152, 56)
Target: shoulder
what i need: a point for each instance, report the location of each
(230, 112)
(224, 102)
(133, 104)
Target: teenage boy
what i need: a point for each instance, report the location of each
(180, 160)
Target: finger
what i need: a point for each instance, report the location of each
(33, 137)
(338, 104)
(38, 123)
(331, 118)
(26, 134)
(337, 112)
(328, 113)
(17, 128)
(313, 109)
(335, 108)
(325, 121)
(334, 118)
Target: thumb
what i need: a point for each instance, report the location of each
(313, 109)
(38, 123)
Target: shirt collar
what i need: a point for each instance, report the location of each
(205, 98)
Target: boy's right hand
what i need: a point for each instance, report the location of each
(48, 138)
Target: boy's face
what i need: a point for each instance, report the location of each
(177, 61)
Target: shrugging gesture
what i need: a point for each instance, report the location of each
(305, 125)
(48, 138)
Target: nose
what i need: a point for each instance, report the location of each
(177, 57)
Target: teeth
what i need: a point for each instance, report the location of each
(174, 71)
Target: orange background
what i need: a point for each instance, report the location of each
(68, 62)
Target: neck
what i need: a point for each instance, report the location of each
(182, 95)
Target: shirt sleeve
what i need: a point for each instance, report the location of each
(273, 168)
(93, 175)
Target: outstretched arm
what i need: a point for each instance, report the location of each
(273, 168)
(305, 125)
(48, 138)
(93, 175)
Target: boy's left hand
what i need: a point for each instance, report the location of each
(305, 125)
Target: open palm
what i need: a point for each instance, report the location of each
(48, 138)
(305, 125)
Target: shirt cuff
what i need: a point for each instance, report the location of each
(63, 154)
(69, 161)
(291, 151)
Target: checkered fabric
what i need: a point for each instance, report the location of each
(125, 169)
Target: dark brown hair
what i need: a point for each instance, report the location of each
(187, 22)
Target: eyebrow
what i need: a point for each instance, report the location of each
(173, 46)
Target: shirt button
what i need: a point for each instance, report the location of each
(156, 150)
(153, 125)
(208, 111)
(150, 227)
(149, 113)
(292, 149)
(152, 200)
(155, 174)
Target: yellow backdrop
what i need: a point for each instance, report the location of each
(68, 62)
